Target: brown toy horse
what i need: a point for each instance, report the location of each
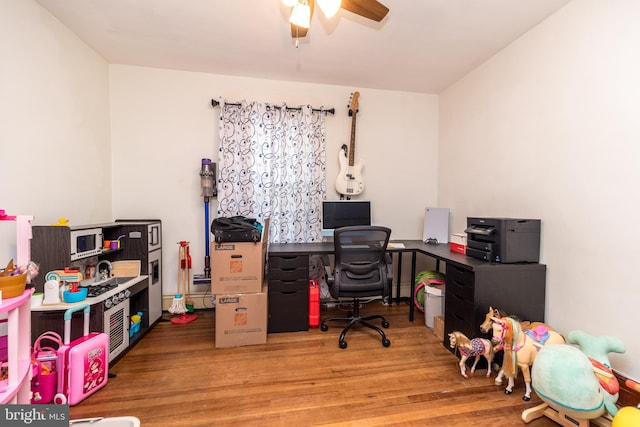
(494, 312)
(520, 349)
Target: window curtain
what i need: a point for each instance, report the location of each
(272, 165)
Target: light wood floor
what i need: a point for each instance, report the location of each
(175, 377)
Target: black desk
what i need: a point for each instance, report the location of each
(472, 285)
(327, 248)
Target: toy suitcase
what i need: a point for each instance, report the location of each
(83, 365)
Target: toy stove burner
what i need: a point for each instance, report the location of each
(96, 290)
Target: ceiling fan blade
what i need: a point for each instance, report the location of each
(370, 9)
(298, 32)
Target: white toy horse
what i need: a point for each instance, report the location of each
(475, 347)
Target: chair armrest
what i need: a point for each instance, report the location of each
(389, 264)
(328, 275)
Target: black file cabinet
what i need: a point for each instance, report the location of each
(288, 293)
(517, 289)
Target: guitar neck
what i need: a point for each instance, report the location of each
(352, 144)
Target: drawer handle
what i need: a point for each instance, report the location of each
(457, 317)
(460, 284)
(458, 296)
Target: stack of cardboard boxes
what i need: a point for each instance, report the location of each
(237, 280)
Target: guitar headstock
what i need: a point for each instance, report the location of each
(353, 106)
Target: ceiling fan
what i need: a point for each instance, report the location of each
(302, 11)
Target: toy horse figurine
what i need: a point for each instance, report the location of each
(485, 327)
(520, 350)
(476, 347)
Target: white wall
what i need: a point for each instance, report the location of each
(55, 158)
(163, 124)
(549, 129)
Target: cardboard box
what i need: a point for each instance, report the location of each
(458, 243)
(438, 327)
(241, 319)
(238, 267)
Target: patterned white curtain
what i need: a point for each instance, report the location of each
(272, 165)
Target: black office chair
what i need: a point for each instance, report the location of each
(362, 269)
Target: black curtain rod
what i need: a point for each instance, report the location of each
(331, 111)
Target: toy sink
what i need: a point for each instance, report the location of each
(106, 422)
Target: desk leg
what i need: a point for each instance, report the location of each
(399, 277)
(413, 285)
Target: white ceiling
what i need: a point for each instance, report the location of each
(420, 46)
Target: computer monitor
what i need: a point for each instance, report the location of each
(343, 213)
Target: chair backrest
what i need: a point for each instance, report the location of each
(360, 261)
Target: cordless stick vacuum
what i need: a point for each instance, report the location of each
(208, 184)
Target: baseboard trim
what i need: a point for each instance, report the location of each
(201, 300)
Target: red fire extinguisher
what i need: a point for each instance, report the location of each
(314, 303)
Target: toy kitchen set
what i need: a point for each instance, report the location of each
(114, 267)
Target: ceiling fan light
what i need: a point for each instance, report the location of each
(301, 15)
(329, 7)
(289, 3)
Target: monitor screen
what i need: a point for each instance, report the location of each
(342, 213)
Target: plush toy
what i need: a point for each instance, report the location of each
(576, 382)
(598, 349)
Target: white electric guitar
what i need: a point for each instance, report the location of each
(349, 181)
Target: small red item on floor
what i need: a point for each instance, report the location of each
(181, 319)
(314, 303)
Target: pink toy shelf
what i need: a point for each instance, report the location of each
(16, 387)
(15, 360)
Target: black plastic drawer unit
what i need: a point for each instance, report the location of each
(288, 293)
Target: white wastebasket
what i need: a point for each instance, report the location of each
(433, 304)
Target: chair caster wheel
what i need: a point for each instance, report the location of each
(324, 328)
(343, 344)
(386, 342)
(385, 324)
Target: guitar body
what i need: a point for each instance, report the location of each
(349, 181)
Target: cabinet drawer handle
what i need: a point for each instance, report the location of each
(458, 317)
(458, 296)
(460, 284)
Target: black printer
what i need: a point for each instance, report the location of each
(504, 240)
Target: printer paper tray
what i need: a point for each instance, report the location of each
(482, 231)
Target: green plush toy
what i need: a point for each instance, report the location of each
(426, 278)
(578, 381)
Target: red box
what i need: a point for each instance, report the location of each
(456, 247)
(458, 243)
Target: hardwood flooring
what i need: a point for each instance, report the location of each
(176, 377)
